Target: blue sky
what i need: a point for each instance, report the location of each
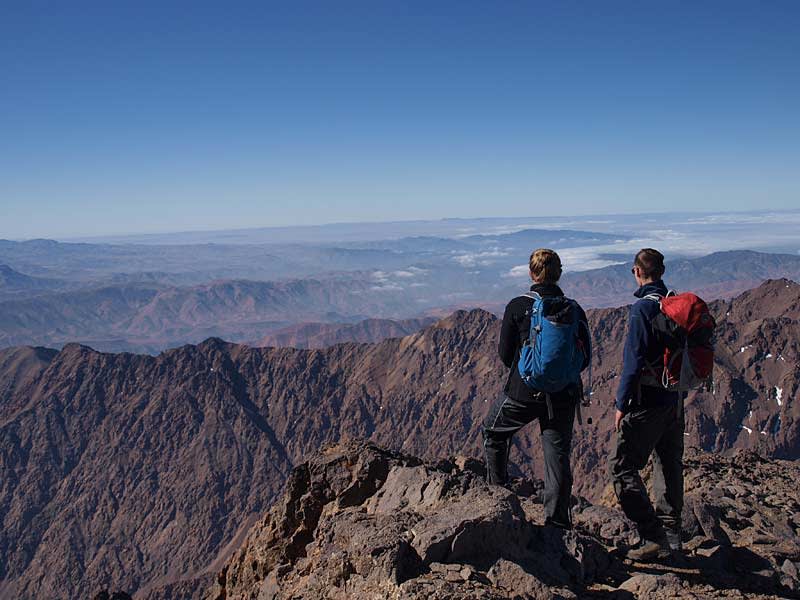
(163, 116)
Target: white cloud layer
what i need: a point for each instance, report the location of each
(484, 258)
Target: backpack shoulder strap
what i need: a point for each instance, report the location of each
(529, 294)
(536, 317)
(654, 297)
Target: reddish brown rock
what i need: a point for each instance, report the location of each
(415, 530)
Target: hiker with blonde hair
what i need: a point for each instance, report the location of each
(545, 342)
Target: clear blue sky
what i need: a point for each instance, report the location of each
(159, 116)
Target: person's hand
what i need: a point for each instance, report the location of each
(618, 420)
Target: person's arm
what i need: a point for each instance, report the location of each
(636, 344)
(509, 338)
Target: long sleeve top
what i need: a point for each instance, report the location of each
(642, 348)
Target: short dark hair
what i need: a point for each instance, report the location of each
(651, 262)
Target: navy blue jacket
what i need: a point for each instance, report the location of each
(516, 330)
(642, 347)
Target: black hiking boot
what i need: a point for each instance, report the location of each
(550, 522)
(676, 557)
(674, 540)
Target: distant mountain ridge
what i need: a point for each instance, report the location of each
(270, 261)
(144, 315)
(12, 282)
(322, 335)
(128, 471)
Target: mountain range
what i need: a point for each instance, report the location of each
(149, 316)
(138, 472)
(199, 263)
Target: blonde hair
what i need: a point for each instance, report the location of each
(545, 265)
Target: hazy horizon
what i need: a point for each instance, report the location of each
(406, 227)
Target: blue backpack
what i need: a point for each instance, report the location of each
(551, 358)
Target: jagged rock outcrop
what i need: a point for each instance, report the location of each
(136, 472)
(359, 521)
(744, 500)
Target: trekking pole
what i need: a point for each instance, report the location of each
(586, 399)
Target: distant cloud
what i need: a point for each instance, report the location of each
(575, 259)
(496, 230)
(517, 272)
(409, 272)
(746, 218)
(389, 287)
(472, 259)
(387, 281)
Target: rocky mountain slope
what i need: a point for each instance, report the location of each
(138, 472)
(359, 521)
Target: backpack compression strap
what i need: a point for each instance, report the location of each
(657, 298)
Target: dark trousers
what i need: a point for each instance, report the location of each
(643, 431)
(507, 417)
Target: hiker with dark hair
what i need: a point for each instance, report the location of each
(649, 419)
(545, 342)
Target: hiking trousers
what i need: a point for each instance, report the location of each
(656, 430)
(508, 416)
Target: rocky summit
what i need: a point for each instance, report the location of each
(360, 521)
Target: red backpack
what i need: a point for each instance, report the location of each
(686, 327)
